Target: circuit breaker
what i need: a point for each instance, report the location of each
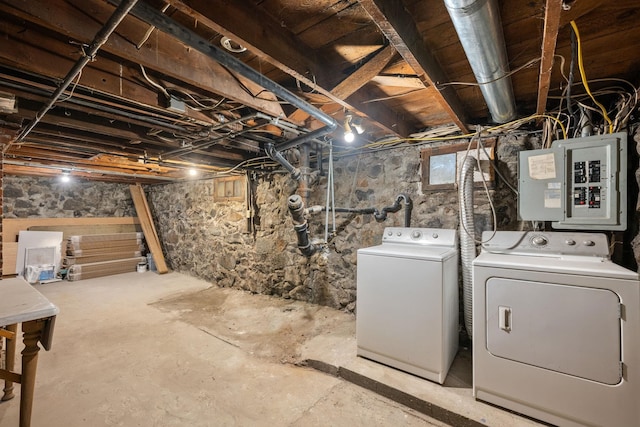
(578, 183)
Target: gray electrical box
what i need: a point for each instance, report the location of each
(578, 183)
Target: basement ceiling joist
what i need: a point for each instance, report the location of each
(397, 65)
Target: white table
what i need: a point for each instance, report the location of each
(22, 303)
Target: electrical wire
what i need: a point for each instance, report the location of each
(154, 84)
(529, 63)
(77, 80)
(484, 183)
(585, 82)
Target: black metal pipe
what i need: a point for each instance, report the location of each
(408, 207)
(207, 142)
(296, 209)
(276, 156)
(99, 107)
(101, 38)
(361, 211)
(164, 23)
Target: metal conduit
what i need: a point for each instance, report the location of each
(164, 23)
(99, 107)
(478, 25)
(211, 141)
(101, 38)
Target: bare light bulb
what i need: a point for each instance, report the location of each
(349, 136)
(193, 172)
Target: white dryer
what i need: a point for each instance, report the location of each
(556, 329)
(407, 301)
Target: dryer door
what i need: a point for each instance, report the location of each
(570, 329)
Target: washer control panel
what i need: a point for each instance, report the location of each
(420, 236)
(547, 243)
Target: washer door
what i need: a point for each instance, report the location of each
(569, 329)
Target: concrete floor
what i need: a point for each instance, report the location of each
(141, 349)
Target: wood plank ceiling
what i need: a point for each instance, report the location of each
(148, 105)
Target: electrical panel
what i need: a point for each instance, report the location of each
(578, 183)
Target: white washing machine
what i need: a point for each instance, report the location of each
(556, 329)
(407, 301)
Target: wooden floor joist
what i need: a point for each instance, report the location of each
(148, 228)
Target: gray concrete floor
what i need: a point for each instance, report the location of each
(141, 349)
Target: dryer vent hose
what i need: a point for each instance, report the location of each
(467, 239)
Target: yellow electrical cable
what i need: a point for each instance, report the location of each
(585, 83)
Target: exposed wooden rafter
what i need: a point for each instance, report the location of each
(552, 13)
(355, 80)
(398, 26)
(165, 55)
(274, 44)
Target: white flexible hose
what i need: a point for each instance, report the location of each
(467, 238)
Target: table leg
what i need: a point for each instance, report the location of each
(32, 333)
(10, 363)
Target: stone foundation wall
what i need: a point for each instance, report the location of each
(26, 197)
(211, 240)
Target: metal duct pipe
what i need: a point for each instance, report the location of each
(101, 38)
(480, 31)
(296, 208)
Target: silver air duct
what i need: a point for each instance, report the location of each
(480, 31)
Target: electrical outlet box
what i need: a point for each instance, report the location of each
(578, 183)
(174, 104)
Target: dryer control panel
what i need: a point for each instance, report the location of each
(545, 243)
(420, 236)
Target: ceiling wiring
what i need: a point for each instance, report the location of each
(585, 82)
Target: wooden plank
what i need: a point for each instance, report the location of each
(163, 54)
(400, 29)
(273, 44)
(11, 228)
(355, 80)
(549, 39)
(365, 73)
(148, 228)
(395, 81)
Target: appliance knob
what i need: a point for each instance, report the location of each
(389, 233)
(570, 242)
(434, 235)
(539, 241)
(415, 234)
(589, 243)
(399, 233)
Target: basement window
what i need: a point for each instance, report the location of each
(228, 189)
(441, 165)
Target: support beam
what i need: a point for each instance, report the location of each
(552, 12)
(399, 28)
(356, 80)
(273, 44)
(165, 55)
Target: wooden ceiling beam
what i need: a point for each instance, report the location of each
(355, 80)
(165, 54)
(400, 29)
(552, 12)
(276, 45)
(52, 65)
